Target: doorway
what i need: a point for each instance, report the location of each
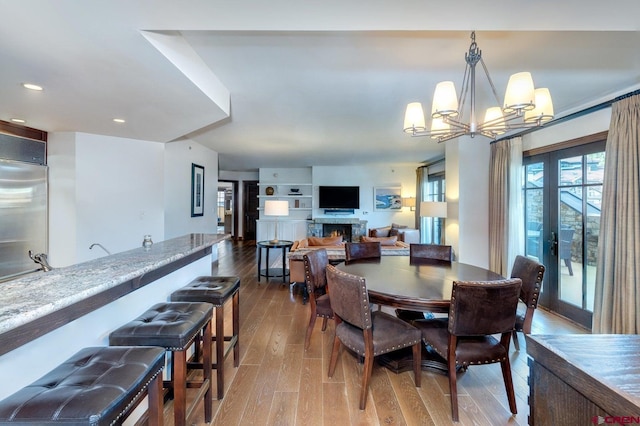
(250, 208)
(562, 197)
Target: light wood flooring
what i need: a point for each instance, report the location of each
(278, 383)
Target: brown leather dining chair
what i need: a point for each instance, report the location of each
(315, 265)
(368, 250)
(431, 252)
(364, 332)
(427, 253)
(531, 273)
(479, 309)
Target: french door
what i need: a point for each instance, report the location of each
(562, 196)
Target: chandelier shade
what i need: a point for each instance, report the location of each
(524, 106)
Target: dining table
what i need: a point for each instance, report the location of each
(414, 284)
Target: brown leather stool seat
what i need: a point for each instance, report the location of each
(217, 291)
(96, 386)
(175, 326)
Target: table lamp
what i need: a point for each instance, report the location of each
(434, 209)
(276, 208)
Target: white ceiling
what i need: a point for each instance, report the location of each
(290, 83)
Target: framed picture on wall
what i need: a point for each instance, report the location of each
(197, 190)
(387, 198)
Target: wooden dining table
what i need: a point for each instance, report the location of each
(420, 285)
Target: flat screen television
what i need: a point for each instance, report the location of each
(339, 197)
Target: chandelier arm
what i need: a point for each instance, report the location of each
(457, 124)
(493, 87)
(464, 89)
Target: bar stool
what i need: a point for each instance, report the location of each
(217, 291)
(96, 386)
(175, 326)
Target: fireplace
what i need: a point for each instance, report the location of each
(336, 230)
(351, 229)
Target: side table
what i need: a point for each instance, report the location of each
(267, 272)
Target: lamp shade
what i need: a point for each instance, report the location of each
(433, 209)
(445, 100)
(409, 202)
(543, 111)
(520, 93)
(494, 120)
(276, 208)
(414, 118)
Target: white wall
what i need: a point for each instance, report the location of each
(467, 189)
(113, 191)
(178, 159)
(582, 126)
(367, 177)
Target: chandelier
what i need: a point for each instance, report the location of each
(524, 106)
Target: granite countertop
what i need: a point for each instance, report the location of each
(40, 293)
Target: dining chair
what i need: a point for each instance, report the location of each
(315, 265)
(531, 273)
(364, 332)
(431, 252)
(368, 250)
(418, 253)
(479, 309)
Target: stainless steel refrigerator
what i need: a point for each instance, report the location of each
(23, 215)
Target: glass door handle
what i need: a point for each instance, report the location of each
(554, 244)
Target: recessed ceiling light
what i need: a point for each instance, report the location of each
(31, 86)
(119, 120)
(18, 120)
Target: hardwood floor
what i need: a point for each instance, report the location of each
(278, 383)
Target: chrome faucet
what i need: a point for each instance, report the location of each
(101, 246)
(40, 259)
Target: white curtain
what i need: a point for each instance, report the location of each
(506, 216)
(617, 295)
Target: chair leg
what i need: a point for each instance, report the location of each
(568, 263)
(312, 323)
(516, 343)
(366, 375)
(154, 392)
(417, 363)
(508, 384)
(324, 323)
(334, 356)
(453, 387)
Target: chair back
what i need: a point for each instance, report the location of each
(482, 308)
(368, 250)
(430, 251)
(349, 297)
(531, 273)
(566, 239)
(315, 265)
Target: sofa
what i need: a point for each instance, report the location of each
(404, 233)
(391, 246)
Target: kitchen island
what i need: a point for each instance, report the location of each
(45, 317)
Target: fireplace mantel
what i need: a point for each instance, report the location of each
(358, 227)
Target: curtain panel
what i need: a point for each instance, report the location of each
(506, 234)
(617, 299)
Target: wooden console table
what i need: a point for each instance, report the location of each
(584, 379)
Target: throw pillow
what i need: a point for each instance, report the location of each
(380, 232)
(395, 229)
(384, 241)
(325, 241)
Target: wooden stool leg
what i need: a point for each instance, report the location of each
(154, 394)
(220, 350)
(206, 372)
(236, 328)
(179, 387)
